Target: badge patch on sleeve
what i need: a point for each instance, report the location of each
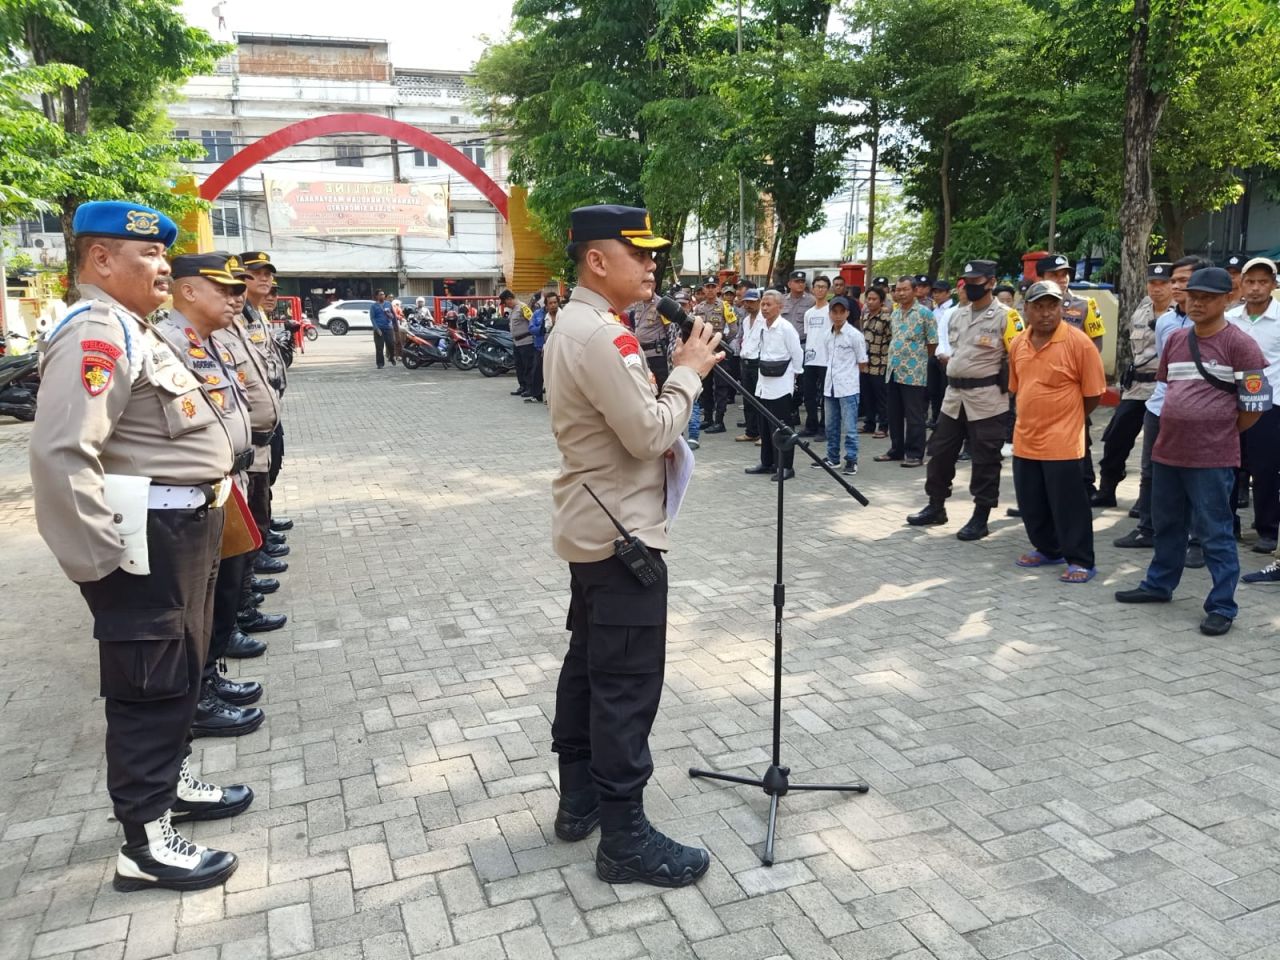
(629, 347)
(188, 407)
(1253, 392)
(95, 373)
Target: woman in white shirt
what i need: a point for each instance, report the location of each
(781, 361)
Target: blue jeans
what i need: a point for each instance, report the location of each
(695, 421)
(842, 411)
(1194, 502)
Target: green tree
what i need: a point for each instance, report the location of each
(594, 103)
(112, 67)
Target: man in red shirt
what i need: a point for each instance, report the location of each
(1217, 388)
(1056, 372)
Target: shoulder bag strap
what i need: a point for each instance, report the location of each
(1194, 345)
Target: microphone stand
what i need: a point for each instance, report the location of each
(776, 780)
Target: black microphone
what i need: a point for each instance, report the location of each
(672, 313)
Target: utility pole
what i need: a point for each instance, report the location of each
(871, 186)
(742, 189)
(402, 274)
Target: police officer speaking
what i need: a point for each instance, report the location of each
(613, 428)
(975, 404)
(129, 461)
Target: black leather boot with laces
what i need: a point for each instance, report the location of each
(632, 851)
(167, 860)
(579, 811)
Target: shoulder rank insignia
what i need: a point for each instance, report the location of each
(220, 398)
(95, 373)
(212, 380)
(188, 408)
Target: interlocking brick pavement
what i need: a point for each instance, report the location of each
(1052, 775)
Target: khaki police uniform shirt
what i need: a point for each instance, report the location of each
(979, 348)
(793, 310)
(1142, 344)
(650, 327)
(612, 427)
(258, 332)
(214, 366)
(114, 398)
(252, 371)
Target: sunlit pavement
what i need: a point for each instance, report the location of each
(1053, 775)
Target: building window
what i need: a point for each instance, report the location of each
(226, 220)
(473, 151)
(453, 120)
(349, 155)
(217, 145)
(419, 158)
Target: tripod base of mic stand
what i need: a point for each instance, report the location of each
(776, 784)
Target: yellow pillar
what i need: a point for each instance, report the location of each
(195, 230)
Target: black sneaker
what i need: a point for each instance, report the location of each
(850, 468)
(1268, 574)
(1134, 539)
(167, 860)
(631, 850)
(1264, 545)
(1195, 556)
(826, 462)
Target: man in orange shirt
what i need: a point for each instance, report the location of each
(1057, 374)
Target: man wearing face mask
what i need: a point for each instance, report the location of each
(975, 404)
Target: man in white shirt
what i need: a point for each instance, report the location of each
(937, 373)
(781, 360)
(846, 351)
(1259, 317)
(816, 326)
(749, 361)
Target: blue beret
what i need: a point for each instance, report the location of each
(123, 220)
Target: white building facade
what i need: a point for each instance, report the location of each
(273, 81)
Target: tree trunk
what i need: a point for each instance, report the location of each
(68, 214)
(944, 263)
(1053, 200)
(785, 262)
(1142, 111)
(1174, 221)
(935, 255)
(871, 189)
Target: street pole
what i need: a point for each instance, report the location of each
(742, 189)
(4, 288)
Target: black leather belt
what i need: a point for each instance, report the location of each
(651, 346)
(972, 383)
(261, 438)
(1144, 377)
(243, 461)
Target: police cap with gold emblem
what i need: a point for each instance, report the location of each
(123, 221)
(612, 221)
(235, 266)
(211, 266)
(257, 259)
(1159, 271)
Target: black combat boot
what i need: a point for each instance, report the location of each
(163, 858)
(932, 515)
(632, 850)
(1105, 497)
(238, 693)
(264, 584)
(579, 812)
(976, 528)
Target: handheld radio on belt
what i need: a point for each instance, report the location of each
(634, 555)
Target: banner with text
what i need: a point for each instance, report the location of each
(340, 208)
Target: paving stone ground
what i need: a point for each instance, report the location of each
(1052, 775)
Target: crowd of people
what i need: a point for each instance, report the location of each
(156, 443)
(986, 372)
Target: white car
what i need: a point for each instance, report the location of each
(344, 315)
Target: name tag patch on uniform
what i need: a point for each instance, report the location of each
(101, 346)
(95, 373)
(629, 347)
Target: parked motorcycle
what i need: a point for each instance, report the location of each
(19, 384)
(285, 340)
(495, 351)
(425, 345)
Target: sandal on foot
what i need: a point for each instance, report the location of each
(1037, 559)
(1078, 574)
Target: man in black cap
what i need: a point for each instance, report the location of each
(1216, 389)
(718, 315)
(976, 402)
(941, 305)
(613, 428)
(1138, 383)
(922, 287)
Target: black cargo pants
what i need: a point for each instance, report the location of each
(611, 680)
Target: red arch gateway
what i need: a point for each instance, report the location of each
(337, 123)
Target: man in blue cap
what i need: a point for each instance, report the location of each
(613, 428)
(129, 464)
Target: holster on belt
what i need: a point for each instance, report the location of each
(243, 461)
(261, 438)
